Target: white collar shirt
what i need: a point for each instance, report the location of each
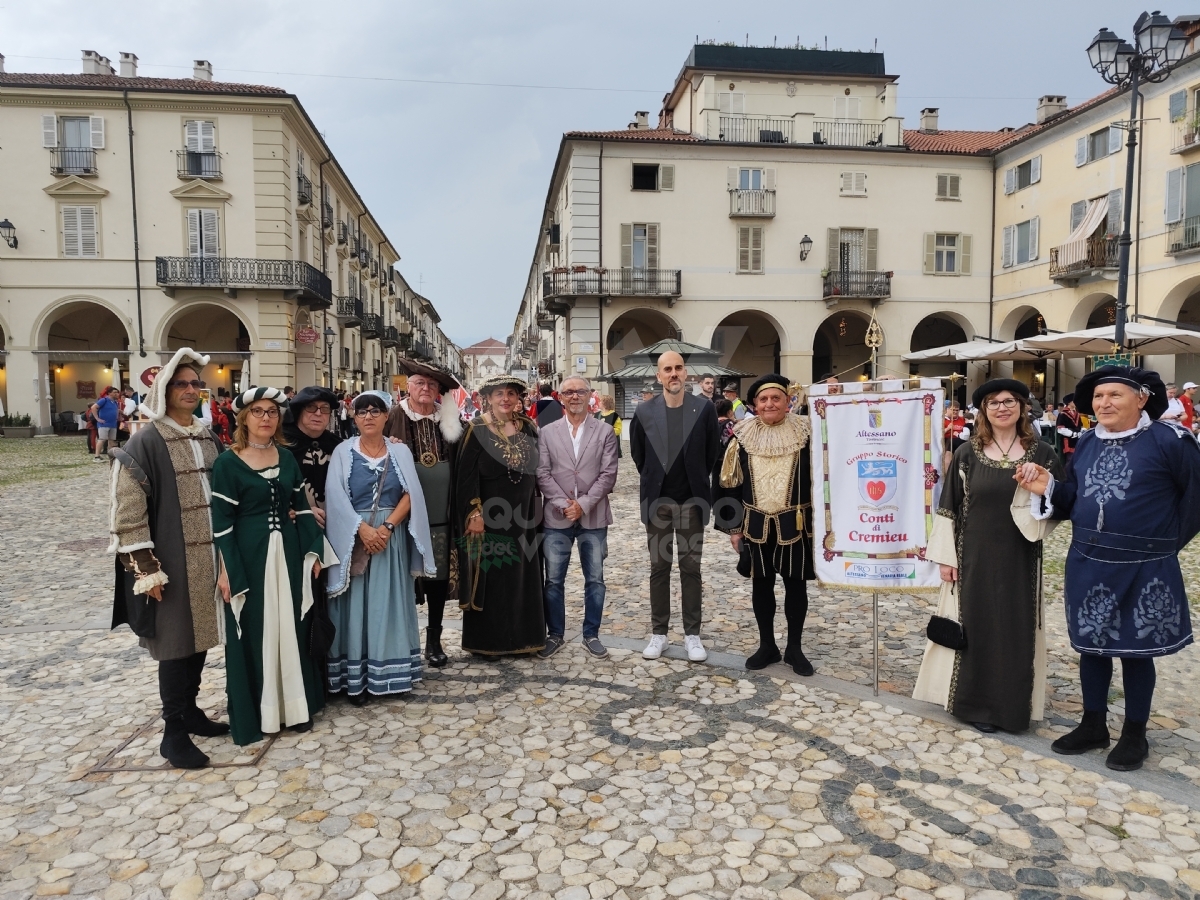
(576, 436)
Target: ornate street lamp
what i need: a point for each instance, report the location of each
(1158, 48)
(329, 336)
(9, 233)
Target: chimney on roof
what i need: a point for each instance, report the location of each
(91, 63)
(202, 70)
(641, 120)
(105, 66)
(128, 65)
(929, 120)
(1049, 106)
(1, 63)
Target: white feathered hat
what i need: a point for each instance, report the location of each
(155, 404)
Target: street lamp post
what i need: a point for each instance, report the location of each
(1159, 46)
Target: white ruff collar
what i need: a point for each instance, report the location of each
(416, 416)
(1106, 435)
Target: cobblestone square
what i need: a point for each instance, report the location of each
(571, 778)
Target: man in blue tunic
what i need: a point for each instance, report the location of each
(1132, 493)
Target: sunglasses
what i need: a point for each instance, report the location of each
(180, 384)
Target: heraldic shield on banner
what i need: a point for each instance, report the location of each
(877, 480)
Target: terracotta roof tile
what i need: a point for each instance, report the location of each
(981, 142)
(117, 83)
(638, 134)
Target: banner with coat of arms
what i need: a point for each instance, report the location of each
(876, 470)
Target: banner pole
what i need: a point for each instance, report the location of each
(875, 632)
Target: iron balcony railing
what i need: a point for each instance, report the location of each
(326, 214)
(860, 283)
(612, 282)
(313, 288)
(848, 133)
(1184, 235)
(421, 349)
(391, 336)
(1187, 132)
(756, 130)
(342, 233)
(304, 192)
(349, 312)
(751, 203)
(195, 164)
(73, 161)
(1099, 252)
(372, 326)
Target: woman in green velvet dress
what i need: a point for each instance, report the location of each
(269, 676)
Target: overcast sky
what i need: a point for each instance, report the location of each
(457, 173)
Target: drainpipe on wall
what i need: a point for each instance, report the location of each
(137, 262)
(600, 258)
(1137, 245)
(992, 269)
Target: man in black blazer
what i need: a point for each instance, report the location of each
(675, 442)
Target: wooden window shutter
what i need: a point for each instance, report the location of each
(193, 224)
(651, 246)
(666, 178)
(1081, 151)
(768, 181)
(743, 248)
(839, 107)
(1177, 105)
(88, 239)
(860, 182)
(833, 258)
(737, 103)
(756, 248)
(1010, 180)
(1114, 139)
(50, 131)
(1174, 210)
(191, 136)
(1006, 253)
(97, 126)
(1035, 170)
(943, 186)
(872, 249)
(954, 184)
(964, 254)
(70, 220)
(1078, 209)
(626, 245)
(847, 182)
(1115, 210)
(210, 231)
(1033, 237)
(731, 178)
(208, 137)
(723, 101)
(930, 253)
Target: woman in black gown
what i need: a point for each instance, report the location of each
(498, 516)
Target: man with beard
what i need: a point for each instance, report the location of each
(429, 423)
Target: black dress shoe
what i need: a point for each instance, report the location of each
(985, 727)
(763, 657)
(196, 722)
(1091, 734)
(795, 658)
(1131, 750)
(358, 699)
(302, 727)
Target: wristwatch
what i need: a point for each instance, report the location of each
(389, 526)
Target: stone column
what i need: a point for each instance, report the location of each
(28, 376)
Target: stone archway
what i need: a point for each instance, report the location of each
(633, 330)
(749, 342)
(80, 340)
(218, 333)
(1103, 315)
(839, 347)
(939, 330)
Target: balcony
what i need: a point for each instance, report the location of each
(1187, 133)
(304, 192)
(751, 203)
(756, 130)
(391, 336)
(309, 287)
(349, 312)
(1070, 262)
(581, 281)
(421, 348)
(1184, 236)
(862, 283)
(194, 164)
(372, 326)
(73, 161)
(848, 132)
(342, 234)
(326, 214)
(545, 318)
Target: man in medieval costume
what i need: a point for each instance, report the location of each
(428, 422)
(167, 571)
(766, 509)
(1132, 493)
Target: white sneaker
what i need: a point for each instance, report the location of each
(695, 649)
(654, 649)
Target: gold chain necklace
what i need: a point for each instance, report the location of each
(512, 449)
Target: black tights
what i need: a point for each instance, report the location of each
(435, 601)
(795, 607)
(1095, 675)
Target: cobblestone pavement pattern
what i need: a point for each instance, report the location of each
(569, 779)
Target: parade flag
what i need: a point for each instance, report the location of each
(876, 472)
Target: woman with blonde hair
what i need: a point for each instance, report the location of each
(268, 555)
(608, 415)
(986, 657)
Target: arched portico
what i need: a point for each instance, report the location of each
(633, 330)
(839, 347)
(76, 343)
(748, 341)
(215, 330)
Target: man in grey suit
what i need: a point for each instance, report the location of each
(675, 443)
(577, 470)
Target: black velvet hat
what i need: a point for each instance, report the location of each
(774, 380)
(312, 394)
(995, 386)
(1068, 398)
(1137, 378)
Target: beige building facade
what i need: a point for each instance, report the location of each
(251, 243)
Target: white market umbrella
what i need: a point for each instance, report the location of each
(1139, 338)
(949, 353)
(1009, 351)
(116, 372)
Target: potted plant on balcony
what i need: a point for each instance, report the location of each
(17, 426)
(1191, 128)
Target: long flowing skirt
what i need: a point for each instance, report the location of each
(377, 645)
